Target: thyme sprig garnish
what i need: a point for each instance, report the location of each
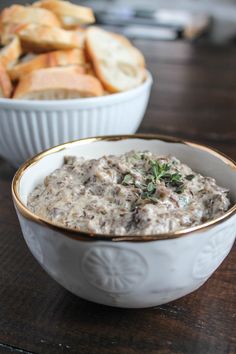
(162, 172)
(157, 172)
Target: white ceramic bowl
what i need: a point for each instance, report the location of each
(128, 271)
(29, 127)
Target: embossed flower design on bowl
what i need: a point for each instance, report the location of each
(114, 269)
(214, 252)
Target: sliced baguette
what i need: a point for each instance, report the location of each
(139, 56)
(28, 14)
(116, 64)
(10, 31)
(5, 83)
(57, 83)
(10, 54)
(38, 38)
(47, 60)
(69, 14)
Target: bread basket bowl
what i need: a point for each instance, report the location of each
(29, 127)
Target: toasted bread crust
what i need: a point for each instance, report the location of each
(58, 79)
(28, 14)
(130, 72)
(38, 38)
(47, 60)
(69, 14)
(10, 54)
(5, 83)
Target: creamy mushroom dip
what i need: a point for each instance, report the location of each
(136, 193)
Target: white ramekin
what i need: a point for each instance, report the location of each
(139, 271)
(29, 127)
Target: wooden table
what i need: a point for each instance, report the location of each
(194, 96)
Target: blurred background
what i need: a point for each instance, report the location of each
(208, 20)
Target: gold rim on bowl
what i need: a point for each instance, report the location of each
(87, 236)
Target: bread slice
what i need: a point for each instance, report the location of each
(38, 38)
(116, 64)
(69, 14)
(28, 14)
(47, 60)
(10, 31)
(57, 83)
(5, 83)
(10, 54)
(137, 53)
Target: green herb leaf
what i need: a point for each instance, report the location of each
(165, 167)
(128, 179)
(175, 177)
(138, 156)
(155, 168)
(150, 197)
(151, 187)
(159, 170)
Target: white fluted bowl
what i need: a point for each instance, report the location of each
(29, 127)
(137, 271)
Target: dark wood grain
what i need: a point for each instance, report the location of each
(194, 92)
(194, 97)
